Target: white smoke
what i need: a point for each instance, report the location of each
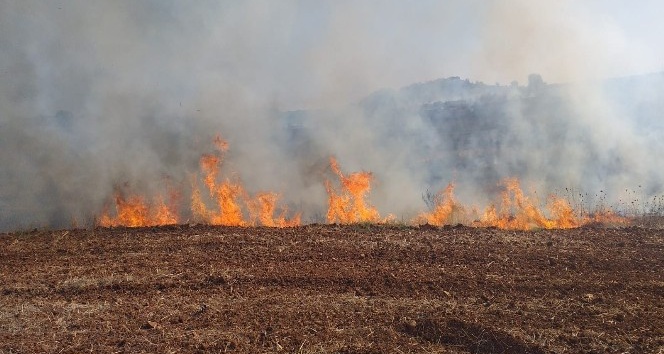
(98, 94)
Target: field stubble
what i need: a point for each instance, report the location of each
(332, 289)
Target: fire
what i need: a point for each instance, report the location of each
(217, 200)
(446, 210)
(263, 208)
(134, 211)
(519, 212)
(607, 217)
(349, 205)
(563, 214)
(515, 211)
(228, 195)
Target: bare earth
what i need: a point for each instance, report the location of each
(332, 289)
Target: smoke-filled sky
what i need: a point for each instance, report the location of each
(95, 94)
(310, 53)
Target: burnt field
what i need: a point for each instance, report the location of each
(332, 289)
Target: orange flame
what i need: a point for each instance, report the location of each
(228, 196)
(349, 205)
(519, 212)
(446, 210)
(262, 210)
(608, 218)
(133, 211)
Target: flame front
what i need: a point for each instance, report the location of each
(446, 210)
(228, 196)
(349, 205)
(133, 211)
(516, 211)
(263, 208)
(231, 204)
(519, 212)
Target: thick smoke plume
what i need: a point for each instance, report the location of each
(100, 96)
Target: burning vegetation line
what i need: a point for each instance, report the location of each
(232, 205)
(349, 205)
(228, 196)
(516, 211)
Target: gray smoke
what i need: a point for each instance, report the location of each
(101, 95)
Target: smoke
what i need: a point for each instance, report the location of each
(98, 95)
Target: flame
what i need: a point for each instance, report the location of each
(563, 214)
(228, 203)
(228, 195)
(225, 195)
(198, 209)
(520, 212)
(262, 210)
(515, 211)
(134, 211)
(607, 217)
(349, 205)
(446, 210)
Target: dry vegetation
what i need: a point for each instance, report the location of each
(332, 289)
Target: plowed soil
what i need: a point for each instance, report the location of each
(332, 289)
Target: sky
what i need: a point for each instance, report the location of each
(306, 54)
(347, 49)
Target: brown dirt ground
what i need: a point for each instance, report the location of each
(332, 289)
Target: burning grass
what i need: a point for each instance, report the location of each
(216, 200)
(514, 211)
(229, 197)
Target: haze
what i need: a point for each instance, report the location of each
(97, 94)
